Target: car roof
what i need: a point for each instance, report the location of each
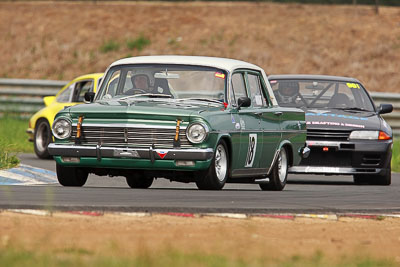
(216, 62)
(89, 76)
(312, 77)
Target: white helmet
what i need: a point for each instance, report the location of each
(138, 71)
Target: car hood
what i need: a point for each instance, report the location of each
(143, 109)
(340, 119)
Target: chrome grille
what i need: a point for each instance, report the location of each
(131, 137)
(328, 135)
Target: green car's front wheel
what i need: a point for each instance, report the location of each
(71, 176)
(217, 174)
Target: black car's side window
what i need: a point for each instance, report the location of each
(239, 87)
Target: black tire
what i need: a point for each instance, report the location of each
(139, 180)
(42, 138)
(217, 174)
(360, 179)
(71, 176)
(278, 175)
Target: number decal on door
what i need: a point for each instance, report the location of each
(251, 153)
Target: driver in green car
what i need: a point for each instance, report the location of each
(140, 85)
(141, 81)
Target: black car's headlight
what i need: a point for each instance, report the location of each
(197, 132)
(62, 128)
(369, 135)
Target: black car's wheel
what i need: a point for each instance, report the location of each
(71, 176)
(42, 139)
(217, 174)
(278, 175)
(139, 181)
(361, 179)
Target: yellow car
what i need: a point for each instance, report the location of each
(40, 123)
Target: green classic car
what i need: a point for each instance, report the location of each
(189, 119)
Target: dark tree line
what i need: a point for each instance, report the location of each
(376, 5)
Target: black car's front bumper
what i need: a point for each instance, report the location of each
(346, 158)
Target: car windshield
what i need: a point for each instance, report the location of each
(319, 94)
(163, 81)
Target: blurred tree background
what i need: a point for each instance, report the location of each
(328, 2)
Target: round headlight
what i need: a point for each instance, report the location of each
(62, 128)
(197, 132)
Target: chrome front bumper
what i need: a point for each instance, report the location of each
(138, 153)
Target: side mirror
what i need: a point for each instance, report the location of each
(244, 102)
(89, 96)
(385, 108)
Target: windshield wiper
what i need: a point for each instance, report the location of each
(354, 109)
(148, 95)
(202, 99)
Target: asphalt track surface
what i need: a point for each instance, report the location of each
(302, 194)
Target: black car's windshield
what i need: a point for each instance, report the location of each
(321, 94)
(163, 81)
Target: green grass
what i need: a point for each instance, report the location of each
(138, 43)
(109, 46)
(8, 159)
(13, 139)
(77, 257)
(13, 134)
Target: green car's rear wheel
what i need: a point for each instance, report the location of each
(139, 180)
(278, 175)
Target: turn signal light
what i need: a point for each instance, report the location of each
(71, 159)
(178, 123)
(79, 127)
(383, 136)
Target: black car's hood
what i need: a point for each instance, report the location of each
(341, 119)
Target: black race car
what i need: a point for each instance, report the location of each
(345, 130)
